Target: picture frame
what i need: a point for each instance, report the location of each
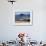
(23, 18)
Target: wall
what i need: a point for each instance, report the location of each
(37, 30)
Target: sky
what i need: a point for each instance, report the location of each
(25, 15)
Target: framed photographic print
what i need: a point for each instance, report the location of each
(23, 18)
